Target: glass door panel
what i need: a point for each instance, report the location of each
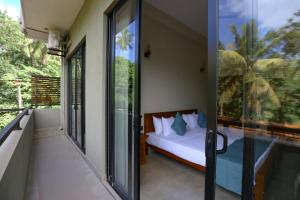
(79, 75)
(123, 101)
(73, 98)
(233, 54)
(275, 99)
(123, 85)
(258, 100)
(76, 96)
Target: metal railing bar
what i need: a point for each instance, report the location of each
(14, 125)
(12, 110)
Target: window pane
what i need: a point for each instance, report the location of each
(123, 91)
(258, 97)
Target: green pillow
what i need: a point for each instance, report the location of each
(179, 125)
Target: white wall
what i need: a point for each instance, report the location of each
(171, 77)
(47, 118)
(90, 23)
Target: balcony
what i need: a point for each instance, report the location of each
(38, 161)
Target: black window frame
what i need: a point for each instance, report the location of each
(81, 46)
(134, 175)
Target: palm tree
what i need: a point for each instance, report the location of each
(124, 39)
(36, 50)
(242, 71)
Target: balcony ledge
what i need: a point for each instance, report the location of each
(43, 163)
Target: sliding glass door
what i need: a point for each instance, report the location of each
(76, 96)
(123, 99)
(253, 141)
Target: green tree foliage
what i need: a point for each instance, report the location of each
(124, 70)
(20, 58)
(124, 39)
(260, 77)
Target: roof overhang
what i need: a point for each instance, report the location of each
(40, 16)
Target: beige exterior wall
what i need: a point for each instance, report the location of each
(90, 23)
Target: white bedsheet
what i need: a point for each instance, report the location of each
(191, 146)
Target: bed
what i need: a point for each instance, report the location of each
(190, 149)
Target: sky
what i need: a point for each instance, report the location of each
(129, 53)
(12, 7)
(270, 15)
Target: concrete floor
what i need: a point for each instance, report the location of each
(163, 178)
(58, 172)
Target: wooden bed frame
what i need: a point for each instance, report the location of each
(260, 175)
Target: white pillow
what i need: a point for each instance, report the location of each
(167, 123)
(191, 120)
(157, 122)
(194, 121)
(187, 120)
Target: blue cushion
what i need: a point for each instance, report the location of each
(179, 125)
(202, 120)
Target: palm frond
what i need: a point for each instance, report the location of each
(125, 39)
(231, 63)
(227, 94)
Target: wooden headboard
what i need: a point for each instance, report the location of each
(148, 121)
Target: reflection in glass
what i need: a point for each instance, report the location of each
(123, 88)
(264, 58)
(73, 98)
(259, 97)
(76, 97)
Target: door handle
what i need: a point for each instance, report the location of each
(225, 143)
(75, 107)
(138, 126)
(208, 143)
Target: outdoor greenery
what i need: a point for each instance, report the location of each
(20, 58)
(259, 78)
(124, 70)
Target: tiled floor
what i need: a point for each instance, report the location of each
(163, 178)
(58, 172)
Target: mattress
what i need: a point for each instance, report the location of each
(191, 146)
